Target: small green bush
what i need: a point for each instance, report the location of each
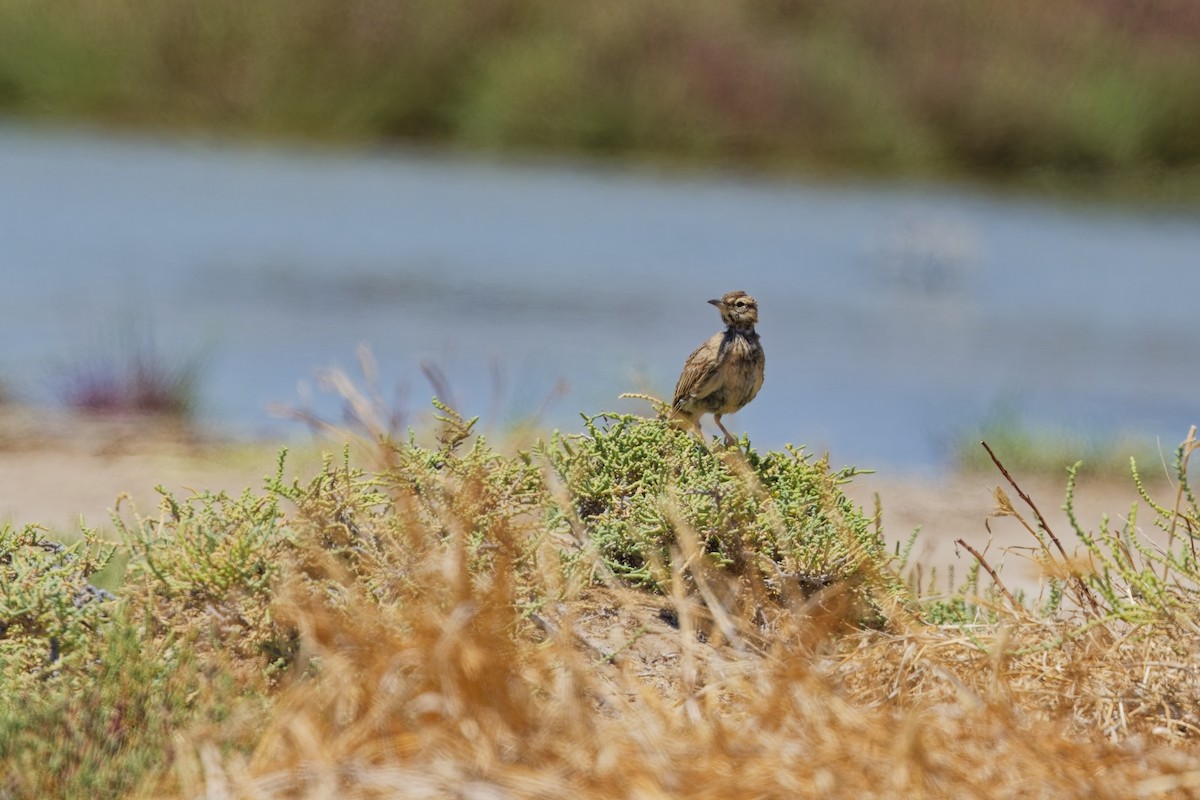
(110, 726)
(90, 700)
(1030, 449)
(635, 481)
(50, 614)
(206, 570)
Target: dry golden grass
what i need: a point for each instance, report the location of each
(442, 625)
(454, 690)
(487, 666)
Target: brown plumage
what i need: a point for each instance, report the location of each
(726, 372)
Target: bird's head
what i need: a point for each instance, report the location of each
(738, 309)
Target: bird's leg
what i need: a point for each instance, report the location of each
(689, 423)
(730, 441)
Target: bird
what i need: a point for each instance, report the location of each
(725, 373)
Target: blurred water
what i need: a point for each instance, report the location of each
(892, 317)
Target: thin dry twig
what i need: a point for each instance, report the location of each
(1083, 587)
(988, 568)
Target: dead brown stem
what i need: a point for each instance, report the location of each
(1084, 591)
(991, 572)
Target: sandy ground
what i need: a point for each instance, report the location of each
(962, 506)
(57, 471)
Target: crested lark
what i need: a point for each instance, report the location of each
(726, 372)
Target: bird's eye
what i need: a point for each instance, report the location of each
(740, 304)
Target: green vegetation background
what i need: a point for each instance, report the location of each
(1070, 88)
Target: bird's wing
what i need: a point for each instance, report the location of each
(758, 382)
(699, 376)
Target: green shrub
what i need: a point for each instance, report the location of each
(635, 482)
(50, 614)
(109, 728)
(1076, 89)
(206, 569)
(90, 700)
(1030, 449)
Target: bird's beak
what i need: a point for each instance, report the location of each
(716, 303)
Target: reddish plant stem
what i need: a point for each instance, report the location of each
(1083, 587)
(983, 563)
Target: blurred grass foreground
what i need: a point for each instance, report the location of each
(619, 612)
(1070, 87)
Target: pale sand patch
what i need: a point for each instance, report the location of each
(960, 506)
(57, 470)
